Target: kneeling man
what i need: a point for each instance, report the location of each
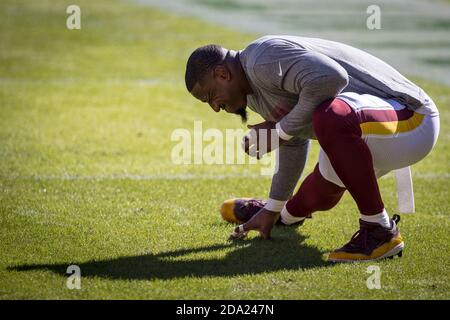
(366, 116)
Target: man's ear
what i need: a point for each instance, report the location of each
(222, 72)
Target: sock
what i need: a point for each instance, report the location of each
(288, 219)
(380, 218)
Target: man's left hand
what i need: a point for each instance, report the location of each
(263, 222)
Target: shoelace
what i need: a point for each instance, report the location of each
(253, 202)
(361, 236)
(362, 232)
(250, 202)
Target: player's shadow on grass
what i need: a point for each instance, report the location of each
(285, 251)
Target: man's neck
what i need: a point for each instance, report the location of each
(235, 61)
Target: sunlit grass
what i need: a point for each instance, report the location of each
(86, 176)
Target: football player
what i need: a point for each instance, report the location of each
(367, 117)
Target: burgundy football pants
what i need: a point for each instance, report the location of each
(337, 129)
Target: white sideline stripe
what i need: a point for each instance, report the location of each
(425, 176)
(138, 177)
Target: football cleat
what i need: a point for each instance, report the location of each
(371, 242)
(240, 210)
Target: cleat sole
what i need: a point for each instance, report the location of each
(396, 251)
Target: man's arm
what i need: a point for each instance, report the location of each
(291, 162)
(315, 78)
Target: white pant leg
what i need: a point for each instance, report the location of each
(405, 149)
(390, 152)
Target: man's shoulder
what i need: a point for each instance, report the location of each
(264, 41)
(268, 48)
(266, 59)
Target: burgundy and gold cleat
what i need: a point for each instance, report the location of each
(240, 210)
(371, 242)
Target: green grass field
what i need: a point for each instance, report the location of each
(86, 176)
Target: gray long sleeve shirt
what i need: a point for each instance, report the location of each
(290, 76)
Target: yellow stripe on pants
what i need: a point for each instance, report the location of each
(392, 127)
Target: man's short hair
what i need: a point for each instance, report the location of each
(201, 61)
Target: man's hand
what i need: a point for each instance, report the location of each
(263, 222)
(260, 147)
